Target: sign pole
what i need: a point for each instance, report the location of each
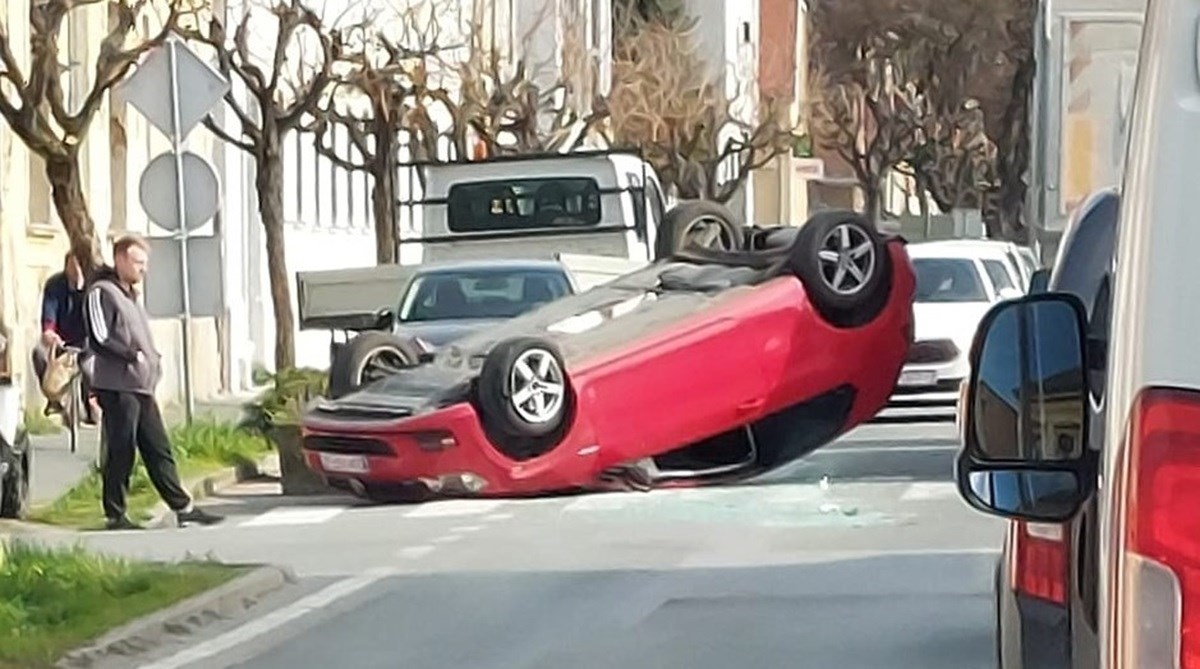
(177, 148)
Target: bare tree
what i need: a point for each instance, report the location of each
(34, 103)
(952, 158)
(869, 114)
(403, 85)
(666, 101)
(285, 85)
(972, 63)
(504, 108)
(380, 78)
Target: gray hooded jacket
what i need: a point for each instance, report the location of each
(118, 328)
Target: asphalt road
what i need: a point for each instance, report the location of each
(860, 556)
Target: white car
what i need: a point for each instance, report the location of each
(1019, 262)
(957, 282)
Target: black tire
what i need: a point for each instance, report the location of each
(14, 490)
(513, 425)
(349, 364)
(676, 223)
(853, 302)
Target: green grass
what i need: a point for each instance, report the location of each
(37, 423)
(203, 447)
(53, 600)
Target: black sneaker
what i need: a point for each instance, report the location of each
(198, 516)
(122, 523)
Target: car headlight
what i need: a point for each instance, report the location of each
(425, 346)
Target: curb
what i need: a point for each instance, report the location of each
(182, 618)
(200, 487)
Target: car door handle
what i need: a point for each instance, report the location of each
(751, 405)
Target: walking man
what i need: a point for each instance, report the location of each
(127, 369)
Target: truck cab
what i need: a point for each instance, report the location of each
(602, 203)
(1063, 427)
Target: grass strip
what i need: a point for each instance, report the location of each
(55, 599)
(204, 447)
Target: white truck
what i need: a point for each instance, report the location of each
(598, 214)
(1086, 53)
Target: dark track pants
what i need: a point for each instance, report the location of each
(132, 422)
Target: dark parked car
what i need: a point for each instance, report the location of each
(15, 453)
(440, 303)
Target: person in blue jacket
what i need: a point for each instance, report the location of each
(63, 325)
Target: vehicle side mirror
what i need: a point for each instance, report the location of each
(383, 319)
(1024, 452)
(1039, 282)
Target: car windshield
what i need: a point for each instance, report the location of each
(948, 280)
(999, 274)
(487, 293)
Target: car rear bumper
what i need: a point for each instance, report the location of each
(447, 450)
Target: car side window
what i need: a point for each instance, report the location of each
(658, 208)
(638, 198)
(1099, 326)
(998, 274)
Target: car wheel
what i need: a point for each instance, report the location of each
(844, 265)
(14, 490)
(524, 395)
(698, 224)
(367, 358)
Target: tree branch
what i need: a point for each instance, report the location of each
(211, 124)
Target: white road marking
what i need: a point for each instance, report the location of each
(467, 528)
(298, 515)
(599, 502)
(448, 539)
(415, 552)
(929, 491)
(278, 618)
(498, 516)
(453, 508)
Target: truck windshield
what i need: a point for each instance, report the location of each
(948, 280)
(491, 293)
(523, 204)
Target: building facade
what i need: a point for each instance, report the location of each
(32, 240)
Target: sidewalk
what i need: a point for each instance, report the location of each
(56, 469)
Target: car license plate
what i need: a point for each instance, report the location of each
(350, 464)
(915, 378)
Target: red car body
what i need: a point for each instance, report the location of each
(761, 356)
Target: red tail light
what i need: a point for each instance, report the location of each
(1039, 566)
(1159, 598)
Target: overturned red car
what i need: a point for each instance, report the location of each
(704, 367)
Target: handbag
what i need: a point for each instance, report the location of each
(61, 367)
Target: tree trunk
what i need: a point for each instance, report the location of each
(1013, 151)
(66, 189)
(269, 184)
(383, 197)
(383, 201)
(873, 196)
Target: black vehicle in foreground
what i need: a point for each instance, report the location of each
(15, 453)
